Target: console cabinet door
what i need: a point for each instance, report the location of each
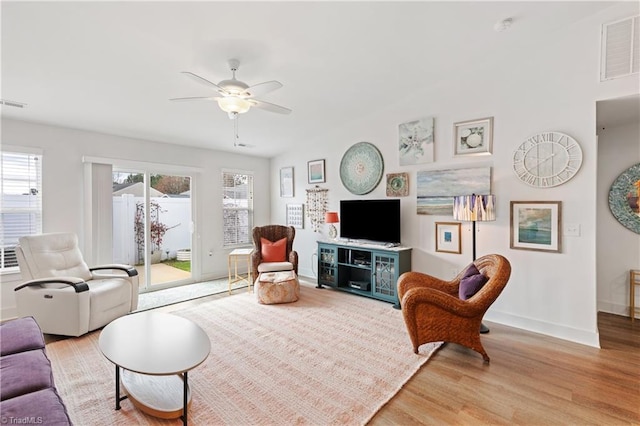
(384, 277)
(327, 265)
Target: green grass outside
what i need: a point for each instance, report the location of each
(185, 265)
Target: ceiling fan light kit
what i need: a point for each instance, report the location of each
(234, 104)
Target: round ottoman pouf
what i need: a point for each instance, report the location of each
(277, 287)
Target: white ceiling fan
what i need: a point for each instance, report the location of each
(235, 96)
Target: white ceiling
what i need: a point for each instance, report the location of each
(111, 67)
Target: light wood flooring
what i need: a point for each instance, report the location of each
(532, 380)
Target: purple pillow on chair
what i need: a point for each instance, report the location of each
(471, 282)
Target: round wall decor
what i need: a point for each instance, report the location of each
(547, 159)
(624, 198)
(361, 168)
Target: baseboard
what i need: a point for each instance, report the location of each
(583, 337)
(613, 308)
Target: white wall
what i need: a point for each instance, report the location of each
(62, 186)
(537, 88)
(618, 248)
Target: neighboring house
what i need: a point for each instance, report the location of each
(136, 189)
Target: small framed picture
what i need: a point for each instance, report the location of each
(448, 237)
(397, 184)
(535, 225)
(473, 137)
(286, 182)
(295, 215)
(316, 171)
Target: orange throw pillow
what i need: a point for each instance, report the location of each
(274, 252)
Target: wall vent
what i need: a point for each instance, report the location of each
(620, 54)
(12, 103)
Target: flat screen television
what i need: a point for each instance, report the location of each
(371, 220)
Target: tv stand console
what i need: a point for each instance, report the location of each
(365, 269)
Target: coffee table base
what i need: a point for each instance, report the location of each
(158, 396)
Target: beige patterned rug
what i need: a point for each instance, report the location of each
(329, 358)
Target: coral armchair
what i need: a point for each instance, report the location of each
(434, 312)
(273, 233)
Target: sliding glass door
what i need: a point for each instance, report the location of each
(152, 226)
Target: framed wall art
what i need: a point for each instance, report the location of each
(535, 225)
(397, 184)
(316, 171)
(436, 188)
(295, 215)
(286, 182)
(448, 237)
(416, 142)
(473, 137)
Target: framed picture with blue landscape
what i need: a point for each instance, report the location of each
(448, 237)
(535, 225)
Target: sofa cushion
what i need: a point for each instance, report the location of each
(42, 407)
(19, 335)
(273, 251)
(24, 372)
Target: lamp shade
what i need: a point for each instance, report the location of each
(331, 217)
(474, 208)
(234, 104)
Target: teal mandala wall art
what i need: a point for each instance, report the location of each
(361, 168)
(624, 198)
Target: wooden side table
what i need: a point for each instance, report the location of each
(634, 280)
(235, 256)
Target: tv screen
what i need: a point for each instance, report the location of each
(372, 220)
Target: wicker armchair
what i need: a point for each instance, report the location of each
(433, 312)
(273, 233)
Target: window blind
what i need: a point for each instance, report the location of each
(21, 209)
(237, 208)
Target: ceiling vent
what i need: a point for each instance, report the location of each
(620, 54)
(12, 103)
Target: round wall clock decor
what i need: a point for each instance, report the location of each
(624, 198)
(361, 168)
(547, 159)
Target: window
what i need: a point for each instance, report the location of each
(21, 209)
(237, 208)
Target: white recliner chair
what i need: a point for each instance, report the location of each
(63, 294)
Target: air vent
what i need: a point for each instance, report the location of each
(620, 54)
(12, 103)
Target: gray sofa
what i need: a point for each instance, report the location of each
(27, 390)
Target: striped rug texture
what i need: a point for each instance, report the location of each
(330, 358)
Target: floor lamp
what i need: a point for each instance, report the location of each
(475, 208)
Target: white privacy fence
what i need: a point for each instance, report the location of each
(175, 213)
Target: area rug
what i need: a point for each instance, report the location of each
(330, 358)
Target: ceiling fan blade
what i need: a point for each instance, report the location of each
(262, 88)
(203, 80)
(196, 98)
(269, 106)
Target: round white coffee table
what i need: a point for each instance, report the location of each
(155, 351)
